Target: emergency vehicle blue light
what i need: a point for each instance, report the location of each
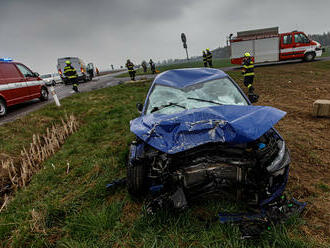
(7, 59)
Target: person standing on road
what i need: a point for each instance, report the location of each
(209, 57)
(144, 66)
(248, 72)
(152, 66)
(130, 68)
(71, 73)
(204, 59)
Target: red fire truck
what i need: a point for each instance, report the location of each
(268, 45)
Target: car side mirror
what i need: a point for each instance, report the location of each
(36, 74)
(139, 107)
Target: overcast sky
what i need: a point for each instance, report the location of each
(37, 32)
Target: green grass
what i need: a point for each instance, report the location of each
(327, 52)
(217, 63)
(76, 210)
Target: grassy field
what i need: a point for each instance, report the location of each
(327, 52)
(217, 63)
(72, 208)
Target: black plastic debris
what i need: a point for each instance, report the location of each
(252, 225)
(117, 182)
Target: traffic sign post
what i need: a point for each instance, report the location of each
(184, 41)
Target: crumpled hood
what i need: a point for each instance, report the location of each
(190, 128)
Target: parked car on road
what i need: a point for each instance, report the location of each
(19, 84)
(198, 134)
(51, 79)
(78, 64)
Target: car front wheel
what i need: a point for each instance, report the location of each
(135, 180)
(3, 108)
(43, 94)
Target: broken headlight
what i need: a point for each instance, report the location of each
(277, 166)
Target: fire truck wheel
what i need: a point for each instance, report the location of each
(309, 57)
(43, 94)
(3, 108)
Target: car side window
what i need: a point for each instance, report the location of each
(25, 71)
(287, 39)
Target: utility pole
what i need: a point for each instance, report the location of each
(184, 41)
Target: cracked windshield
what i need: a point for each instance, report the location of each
(169, 100)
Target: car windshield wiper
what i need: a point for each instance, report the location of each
(166, 105)
(204, 100)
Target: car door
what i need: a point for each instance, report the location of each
(33, 82)
(301, 43)
(286, 48)
(14, 83)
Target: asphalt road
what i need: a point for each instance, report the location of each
(109, 80)
(63, 91)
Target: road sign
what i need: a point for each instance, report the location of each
(184, 41)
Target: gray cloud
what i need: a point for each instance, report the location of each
(37, 32)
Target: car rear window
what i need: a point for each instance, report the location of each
(46, 76)
(9, 70)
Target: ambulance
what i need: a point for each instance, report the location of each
(19, 84)
(268, 45)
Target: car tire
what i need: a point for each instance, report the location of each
(3, 108)
(43, 94)
(53, 83)
(136, 180)
(309, 57)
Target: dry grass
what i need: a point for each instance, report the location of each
(15, 174)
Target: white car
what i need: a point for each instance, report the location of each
(51, 79)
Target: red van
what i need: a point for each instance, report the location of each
(19, 84)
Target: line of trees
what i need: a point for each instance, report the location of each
(324, 38)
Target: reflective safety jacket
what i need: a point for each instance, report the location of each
(205, 57)
(248, 67)
(130, 66)
(209, 56)
(70, 72)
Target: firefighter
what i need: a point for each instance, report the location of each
(71, 73)
(248, 72)
(144, 66)
(209, 57)
(152, 66)
(204, 59)
(130, 68)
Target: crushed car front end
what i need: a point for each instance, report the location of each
(232, 151)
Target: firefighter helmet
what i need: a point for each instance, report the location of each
(68, 62)
(247, 55)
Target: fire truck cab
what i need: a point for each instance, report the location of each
(267, 45)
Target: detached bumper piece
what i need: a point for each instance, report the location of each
(252, 225)
(116, 183)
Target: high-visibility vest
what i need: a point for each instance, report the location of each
(209, 56)
(204, 58)
(248, 68)
(130, 66)
(70, 72)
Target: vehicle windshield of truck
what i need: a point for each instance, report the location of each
(46, 76)
(301, 38)
(169, 100)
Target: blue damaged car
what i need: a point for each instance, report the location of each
(198, 134)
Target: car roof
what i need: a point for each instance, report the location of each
(181, 78)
